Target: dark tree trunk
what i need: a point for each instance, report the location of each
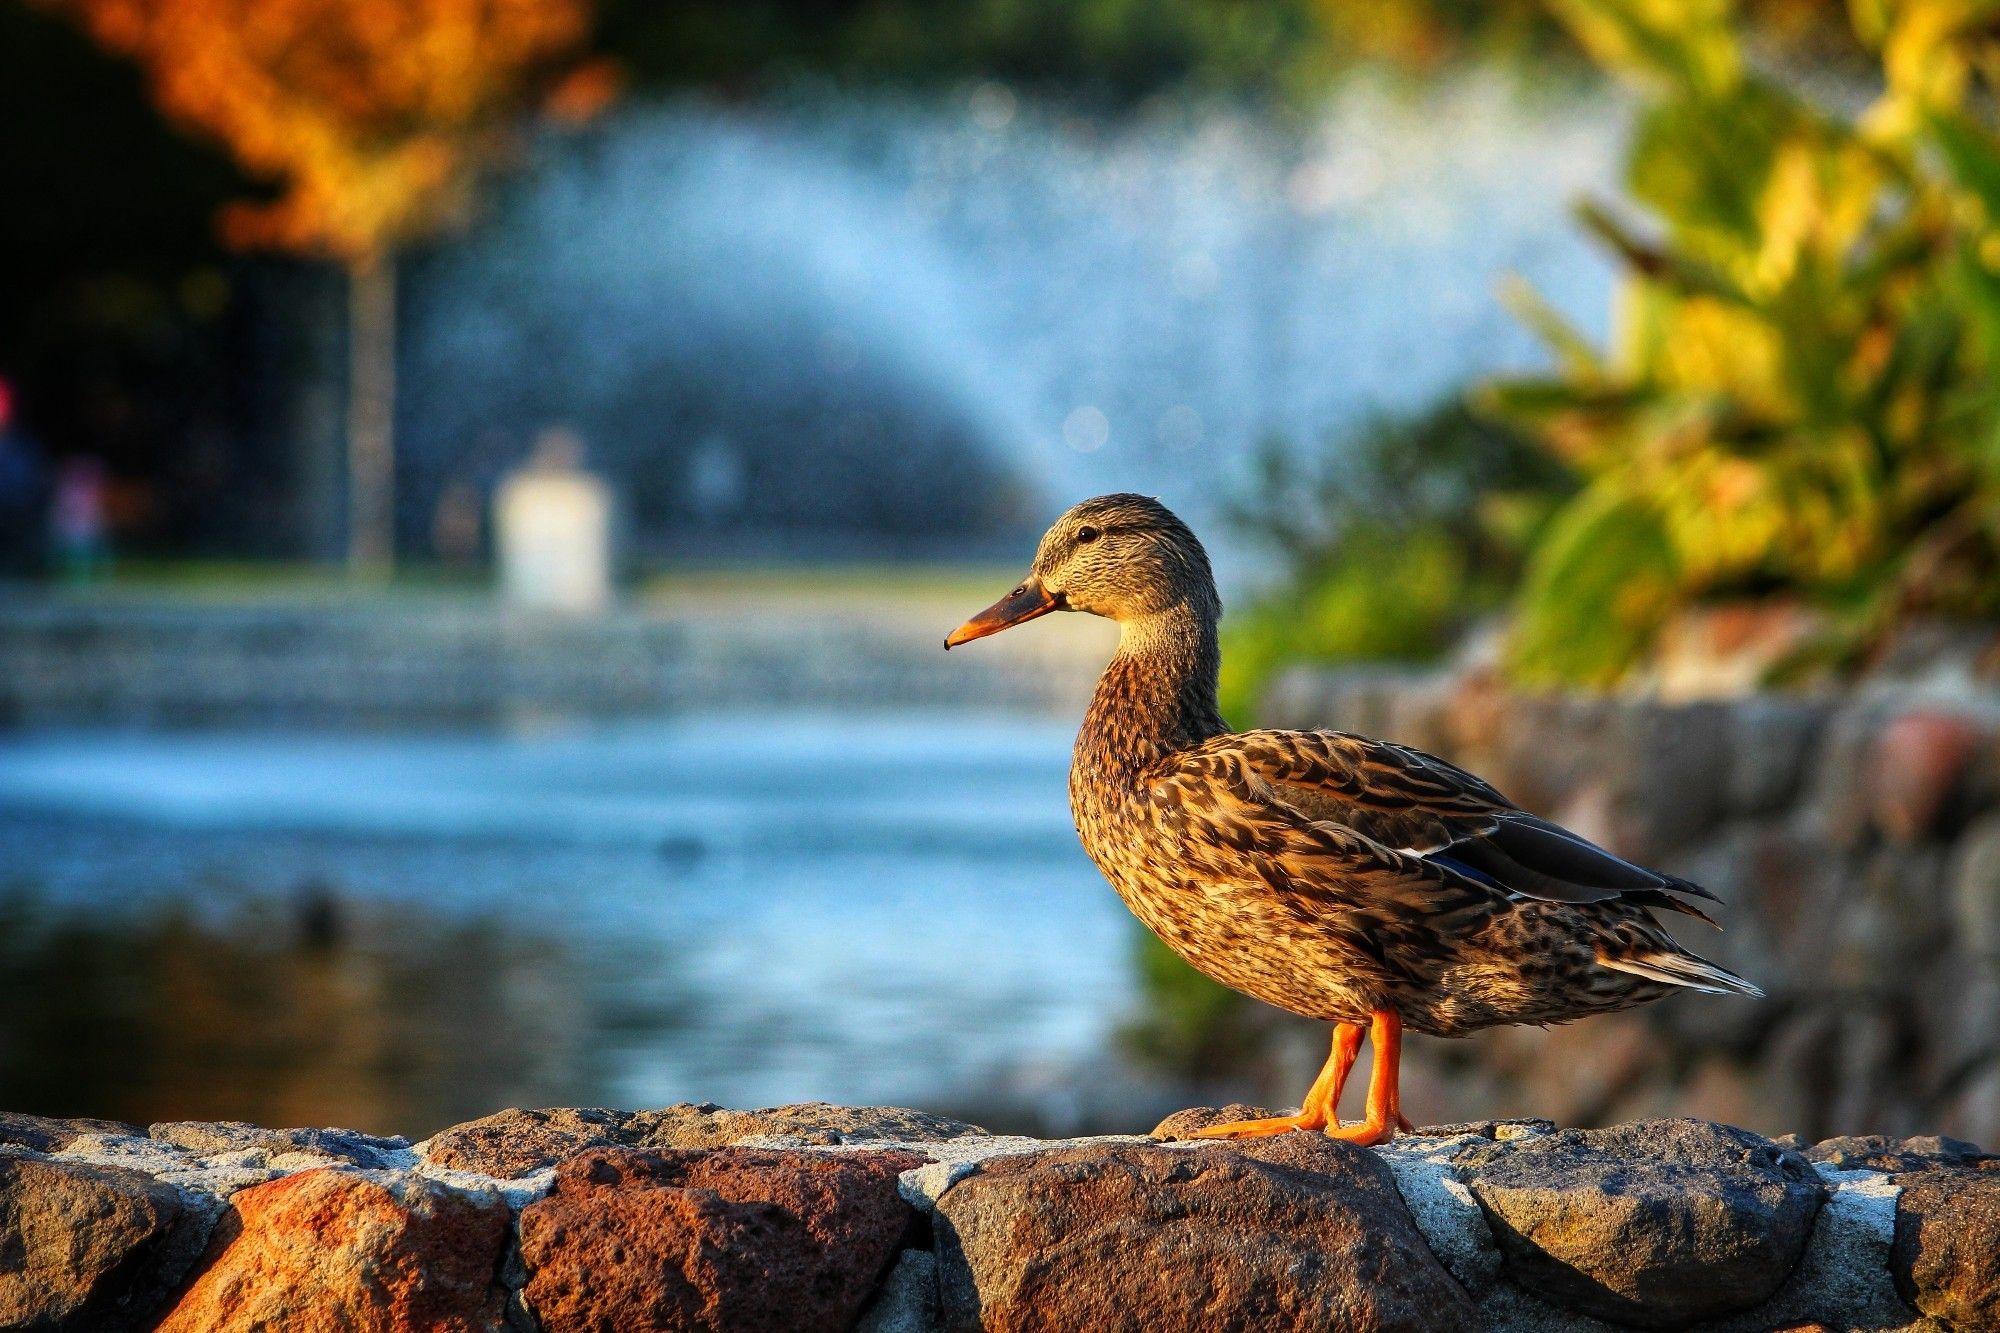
(371, 414)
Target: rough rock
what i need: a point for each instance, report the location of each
(705, 1125)
(1183, 1124)
(1297, 1231)
(1883, 1152)
(1843, 1278)
(1838, 795)
(1920, 758)
(1976, 1101)
(86, 1246)
(1973, 899)
(952, 1160)
(1670, 796)
(1655, 1224)
(47, 1133)
(1500, 1131)
(204, 1181)
(208, 1138)
(1795, 874)
(1772, 741)
(1946, 1257)
(357, 1251)
(516, 1142)
(731, 1238)
(1890, 914)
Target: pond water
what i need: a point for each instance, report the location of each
(396, 933)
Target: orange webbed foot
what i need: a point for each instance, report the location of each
(1364, 1135)
(1259, 1129)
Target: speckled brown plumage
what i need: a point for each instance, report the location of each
(1339, 877)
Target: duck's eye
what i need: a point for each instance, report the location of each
(1088, 534)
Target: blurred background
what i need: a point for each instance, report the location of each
(482, 483)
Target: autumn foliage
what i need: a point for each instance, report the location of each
(372, 116)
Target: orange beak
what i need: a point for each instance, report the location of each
(1016, 608)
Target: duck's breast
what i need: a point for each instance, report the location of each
(1190, 872)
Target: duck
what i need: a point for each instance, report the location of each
(1354, 881)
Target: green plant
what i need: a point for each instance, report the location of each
(1799, 398)
(1387, 543)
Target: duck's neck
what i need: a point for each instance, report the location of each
(1158, 694)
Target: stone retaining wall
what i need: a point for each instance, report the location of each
(891, 1221)
(1855, 839)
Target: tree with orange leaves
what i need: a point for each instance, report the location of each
(375, 118)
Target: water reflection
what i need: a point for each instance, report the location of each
(395, 934)
(312, 1012)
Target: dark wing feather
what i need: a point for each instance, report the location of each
(1390, 794)
(1415, 803)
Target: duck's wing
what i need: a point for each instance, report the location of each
(1418, 805)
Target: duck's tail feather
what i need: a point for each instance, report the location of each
(1665, 900)
(1680, 969)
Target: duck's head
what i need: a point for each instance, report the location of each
(1123, 557)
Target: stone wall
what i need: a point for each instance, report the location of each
(891, 1221)
(449, 661)
(1855, 840)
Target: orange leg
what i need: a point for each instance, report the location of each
(1346, 1050)
(1385, 1109)
(1321, 1098)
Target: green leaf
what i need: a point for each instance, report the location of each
(1676, 269)
(1687, 45)
(1706, 164)
(1972, 155)
(1572, 350)
(1871, 19)
(1595, 591)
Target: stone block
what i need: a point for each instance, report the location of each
(1653, 1224)
(1974, 890)
(515, 1142)
(1920, 761)
(1946, 1258)
(88, 1246)
(207, 1138)
(1183, 1124)
(1772, 740)
(736, 1239)
(355, 1251)
(1674, 762)
(1885, 1152)
(40, 1133)
(1298, 1231)
(1837, 803)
